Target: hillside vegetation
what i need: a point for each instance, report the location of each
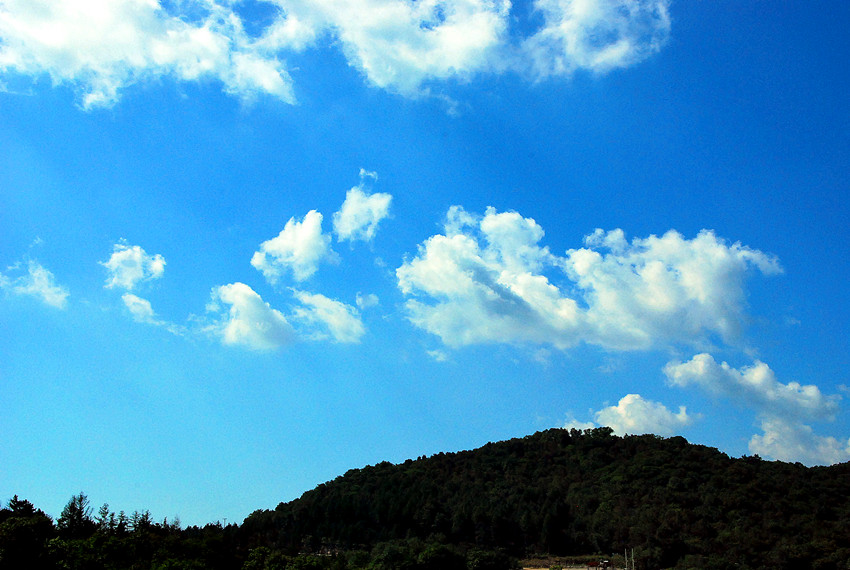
(556, 493)
(568, 492)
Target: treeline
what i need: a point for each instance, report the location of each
(558, 493)
(29, 540)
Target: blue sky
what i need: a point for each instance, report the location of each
(247, 246)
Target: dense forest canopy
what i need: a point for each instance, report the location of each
(557, 493)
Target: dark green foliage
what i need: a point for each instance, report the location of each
(478, 559)
(569, 492)
(24, 535)
(75, 520)
(441, 557)
(556, 494)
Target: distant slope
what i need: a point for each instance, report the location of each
(570, 492)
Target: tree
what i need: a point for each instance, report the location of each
(75, 520)
(24, 532)
(106, 520)
(21, 507)
(140, 521)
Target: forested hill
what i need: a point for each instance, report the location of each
(555, 493)
(569, 492)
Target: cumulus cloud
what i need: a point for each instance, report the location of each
(130, 265)
(636, 415)
(781, 408)
(298, 249)
(245, 319)
(488, 280)
(37, 282)
(360, 214)
(598, 35)
(664, 287)
(793, 441)
(478, 293)
(102, 46)
(342, 322)
(755, 385)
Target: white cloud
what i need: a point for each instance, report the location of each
(542, 356)
(248, 320)
(487, 280)
(102, 46)
(512, 242)
(340, 320)
(484, 294)
(140, 309)
(791, 441)
(367, 301)
(290, 30)
(781, 408)
(38, 282)
(399, 45)
(403, 46)
(635, 415)
(360, 214)
(130, 265)
(598, 35)
(664, 288)
(438, 355)
(299, 248)
(573, 423)
(142, 312)
(755, 385)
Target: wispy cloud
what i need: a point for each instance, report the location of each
(142, 312)
(438, 355)
(335, 318)
(140, 309)
(36, 282)
(366, 301)
(573, 423)
(596, 35)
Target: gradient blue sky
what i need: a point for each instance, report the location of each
(246, 246)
